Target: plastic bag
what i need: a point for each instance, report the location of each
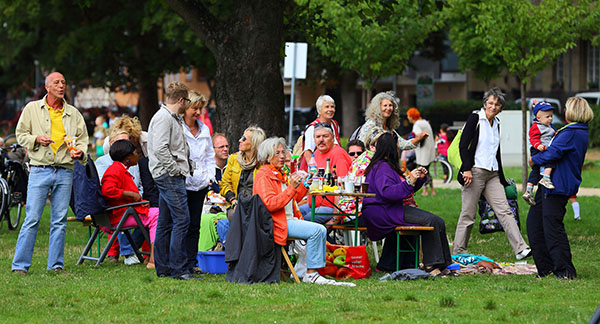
(343, 262)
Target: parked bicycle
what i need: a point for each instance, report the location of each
(14, 175)
(440, 168)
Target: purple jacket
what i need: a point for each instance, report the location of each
(385, 211)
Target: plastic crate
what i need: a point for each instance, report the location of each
(212, 261)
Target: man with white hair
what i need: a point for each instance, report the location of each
(55, 135)
(325, 112)
(326, 149)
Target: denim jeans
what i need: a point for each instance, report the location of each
(222, 229)
(41, 182)
(125, 247)
(314, 234)
(195, 203)
(170, 256)
(321, 219)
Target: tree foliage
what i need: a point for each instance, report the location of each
(373, 38)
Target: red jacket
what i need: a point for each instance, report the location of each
(268, 187)
(115, 180)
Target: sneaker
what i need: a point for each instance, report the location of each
(546, 182)
(131, 260)
(577, 218)
(524, 254)
(316, 278)
(528, 197)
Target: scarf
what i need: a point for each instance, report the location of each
(246, 165)
(279, 174)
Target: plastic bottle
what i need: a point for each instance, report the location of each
(312, 166)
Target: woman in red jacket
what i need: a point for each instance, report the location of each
(118, 188)
(279, 193)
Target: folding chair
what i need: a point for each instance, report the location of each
(287, 268)
(101, 222)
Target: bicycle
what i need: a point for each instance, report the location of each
(440, 167)
(13, 185)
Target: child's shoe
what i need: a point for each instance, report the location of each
(546, 182)
(528, 197)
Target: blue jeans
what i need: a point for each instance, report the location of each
(170, 255)
(41, 182)
(321, 219)
(125, 248)
(222, 229)
(314, 234)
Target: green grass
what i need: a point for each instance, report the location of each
(117, 293)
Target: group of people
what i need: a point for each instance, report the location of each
(177, 162)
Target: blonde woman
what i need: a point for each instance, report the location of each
(545, 227)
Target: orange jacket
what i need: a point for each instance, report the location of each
(268, 187)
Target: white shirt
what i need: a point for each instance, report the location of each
(487, 146)
(203, 154)
(426, 150)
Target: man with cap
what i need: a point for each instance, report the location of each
(540, 136)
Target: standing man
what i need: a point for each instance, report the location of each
(169, 162)
(221, 147)
(42, 129)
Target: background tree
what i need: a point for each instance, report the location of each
(471, 47)
(529, 37)
(372, 38)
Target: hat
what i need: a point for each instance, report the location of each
(541, 106)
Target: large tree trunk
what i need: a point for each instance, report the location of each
(247, 48)
(524, 146)
(148, 102)
(349, 103)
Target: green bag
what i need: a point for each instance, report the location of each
(453, 151)
(511, 189)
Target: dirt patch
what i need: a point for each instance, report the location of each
(593, 155)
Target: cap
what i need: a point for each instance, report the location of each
(541, 106)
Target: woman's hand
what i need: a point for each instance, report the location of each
(132, 195)
(422, 172)
(467, 177)
(413, 175)
(295, 180)
(531, 162)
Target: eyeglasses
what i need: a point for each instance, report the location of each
(221, 147)
(358, 153)
(186, 100)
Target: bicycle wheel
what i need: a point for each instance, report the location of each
(446, 170)
(14, 216)
(4, 198)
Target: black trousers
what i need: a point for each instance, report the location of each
(195, 203)
(435, 243)
(547, 236)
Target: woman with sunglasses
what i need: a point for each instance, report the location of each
(383, 112)
(388, 209)
(242, 166)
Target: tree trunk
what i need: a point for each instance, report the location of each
(247, 48)
(349, 103)
(148, 102)
(525, 111)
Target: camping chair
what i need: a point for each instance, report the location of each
(101, 222)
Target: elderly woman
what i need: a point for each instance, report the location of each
(199, 140)
(241, 168)
(481, 173)
(387, 209)
(383, 112)
(280, 193)
(545, 228)
(325, 112)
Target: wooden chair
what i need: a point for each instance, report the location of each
(285, 273)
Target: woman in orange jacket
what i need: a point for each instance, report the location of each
(279, 193)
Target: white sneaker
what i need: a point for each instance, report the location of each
(524, 254)
(316, 278)
(577, 218)
(131, 260)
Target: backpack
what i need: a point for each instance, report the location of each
(453, 150)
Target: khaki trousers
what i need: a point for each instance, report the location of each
(488, 183)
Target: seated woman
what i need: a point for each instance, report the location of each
(280, 193)
(118, 188)
(386, 210)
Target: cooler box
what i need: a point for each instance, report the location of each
(212, 261)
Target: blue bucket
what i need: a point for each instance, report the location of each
(212, 261)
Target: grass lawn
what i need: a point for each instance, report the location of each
(118, 293)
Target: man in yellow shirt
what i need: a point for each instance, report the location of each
(43, 128)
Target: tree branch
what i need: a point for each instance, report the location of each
(201, 21)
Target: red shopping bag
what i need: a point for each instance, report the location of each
(345, 262)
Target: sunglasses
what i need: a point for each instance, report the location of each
(243, 138)
(186, 100)
(322, 125)
(358, 153)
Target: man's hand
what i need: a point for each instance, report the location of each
(541, 148)
(76, 154)
(468, 177)
(44, 140)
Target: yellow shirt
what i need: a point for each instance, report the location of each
(57, 129)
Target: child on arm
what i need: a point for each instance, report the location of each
(118, 188)
(540, 136)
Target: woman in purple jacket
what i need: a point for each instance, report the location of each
(545, 227)
(387, 210)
